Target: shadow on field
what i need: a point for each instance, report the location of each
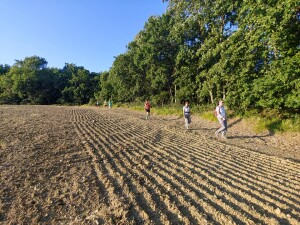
(253, 136)
(206, 129)
(235, 122)
(172, 119)
(159, 119)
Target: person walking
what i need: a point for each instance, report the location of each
(186, 114)
(147, 107)
(109, 103)
(221, 116)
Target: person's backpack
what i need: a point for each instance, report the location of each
(216, 113)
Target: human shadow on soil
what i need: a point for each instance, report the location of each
(246, 137)
(203, 129)
(235, 122)
(164, 119)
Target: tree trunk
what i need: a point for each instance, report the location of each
(211, 97)
(171, 94)
(175, 94)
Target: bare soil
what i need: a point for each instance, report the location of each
(83, 165)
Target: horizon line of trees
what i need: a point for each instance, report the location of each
(246, 52)
(30, 81)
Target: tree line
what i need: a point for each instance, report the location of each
(246, 52)
(30, 81)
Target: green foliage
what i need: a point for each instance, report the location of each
(80, 87)
(292, 124)
(4, 69)
(209, 116)
(29, 81)
(272, 120)
(243, 51)
(147, 68)
(169, 110)
(246, 52)
(275, 124)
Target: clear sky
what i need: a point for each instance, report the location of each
(88, 33)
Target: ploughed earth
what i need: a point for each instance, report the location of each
(87, 165)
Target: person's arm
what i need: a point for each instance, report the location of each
(225, 116)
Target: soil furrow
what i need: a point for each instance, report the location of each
(211, 156)
(240, 174)
(234, 183)
(83, 165)
(114, 168)
(247, 175)
(238, 155)
(271, 190)
(118, 203)
(125, 167)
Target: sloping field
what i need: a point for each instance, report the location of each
(73, 165)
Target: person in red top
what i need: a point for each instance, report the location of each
(147, 109)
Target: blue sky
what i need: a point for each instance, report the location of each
(87, 33)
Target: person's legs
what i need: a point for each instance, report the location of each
(222, 128)
(225, 129)
(147, 114)
(186, 123)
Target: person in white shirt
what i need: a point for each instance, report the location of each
(221, 115)
(187, 114)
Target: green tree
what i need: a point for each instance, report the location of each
(264, 53)
(106, 88)
(4, 69)
(159, 51)
(22, 83)
(81, 85)
(147, 68)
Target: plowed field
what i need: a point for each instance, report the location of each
(76, 165)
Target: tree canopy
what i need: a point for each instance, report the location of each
(246, 52)
(29, 81)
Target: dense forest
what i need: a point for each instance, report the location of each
(29, 81)
(246, 52)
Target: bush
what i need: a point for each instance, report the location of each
(92, 102)
(209, 115)
(275, 124)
